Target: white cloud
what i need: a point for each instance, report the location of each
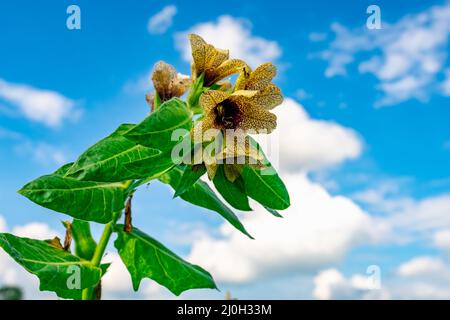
(421, 277)
(421, 218)
(306, 143)
(35, 230)
(44, 106)
(43, 153)
(234, 34)
(385, 196)
(405, 219)
(423, 266)
(292, 244)
(441, 239)
(407, 56)
(117, 279)
(116, 284)
(331, 284)
(161, 21)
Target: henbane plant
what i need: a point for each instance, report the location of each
(210, 133)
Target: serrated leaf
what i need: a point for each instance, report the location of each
(190, 175)
(55, 268)
(200, 194)
(232, 192)
(156, 130)
(266, 187)
(145, 257)
(107, 160)
(84, 200)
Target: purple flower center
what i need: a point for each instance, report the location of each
(228, 115)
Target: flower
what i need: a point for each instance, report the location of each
(213, 63)
(235, 151)
(241, 110)
(167, 82)
(269, 95)
(234, 115)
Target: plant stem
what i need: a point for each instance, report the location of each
(100, 251)
(103, 243)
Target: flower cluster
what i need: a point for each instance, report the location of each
(231, 112)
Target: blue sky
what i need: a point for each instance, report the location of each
(372, 138)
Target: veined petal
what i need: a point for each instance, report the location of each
(242, 98)
(162, 77)
(239, 148)
(269, 98)
(242, 79)
(258, 119)
(212, 98)
(198, 47)
(225, 69)
(215, 57)
(245, 94)
(261, 77)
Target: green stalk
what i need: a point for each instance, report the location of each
(104, 240)
(100, 251)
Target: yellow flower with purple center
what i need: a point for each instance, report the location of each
(213, 63)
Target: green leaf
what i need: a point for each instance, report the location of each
(195, 93)
(156, 100)
(200, 194)
(232, 192)
(273, 212)
(63, 169)
(190, 175)
(56, 269)
(106, 160)
(84, 242)
(156, 130)
(266, 187)
(84, 200)
(145, 257)
(152, 167)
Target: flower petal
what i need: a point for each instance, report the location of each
(269, 98)
(238, 149)
(227, 68)
(257, 119)
(215, 57)
(212, 98)
(198, 47)
(261, 77)
(162, 77)
(242, 79)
